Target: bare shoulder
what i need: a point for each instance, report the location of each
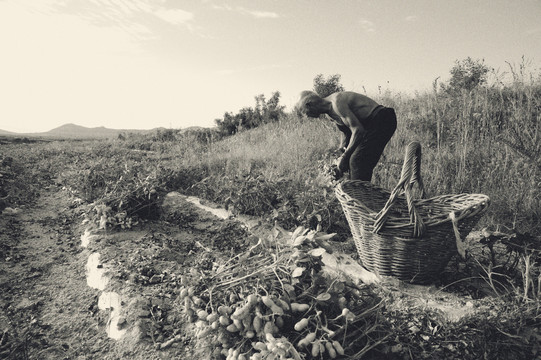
(348, 100)
(347, 97)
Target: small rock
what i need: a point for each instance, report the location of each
(121, 322)
(35, 274)
(25, 304)
(155, 279)
(10, 211)
(143, 313)
(414, 329)
(132, 278)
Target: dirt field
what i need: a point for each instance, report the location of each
(73, 290)
(50, 311)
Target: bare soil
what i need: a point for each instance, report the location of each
(50, 312)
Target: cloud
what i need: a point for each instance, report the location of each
(174, 16)
(533, 31)
(254, 13)
(367, 25)
(261, 14)
(253, 68)
(138, 18)
(410, 18)
(222, 7)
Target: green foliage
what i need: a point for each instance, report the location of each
(289, 202)
(125, 185)
(162, 139)
(14, 187)
(466, 75)
(325, 87)
(265, 111)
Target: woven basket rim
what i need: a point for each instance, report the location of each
(476, 200)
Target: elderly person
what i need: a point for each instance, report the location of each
(366, 128)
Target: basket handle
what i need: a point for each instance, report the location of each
(411, 174)
(461, 248)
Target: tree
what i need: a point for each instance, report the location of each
(467, 74)
(325, 87)
(265, 111)
(272, 109)
(227, 125)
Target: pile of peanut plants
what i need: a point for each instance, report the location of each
(275, 301)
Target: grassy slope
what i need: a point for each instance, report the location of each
(464, 140)
(484, 141)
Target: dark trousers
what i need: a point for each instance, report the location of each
(365, 158)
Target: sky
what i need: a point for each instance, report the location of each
(141, 64)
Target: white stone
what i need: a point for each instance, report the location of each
(111, 300)
(95, 274)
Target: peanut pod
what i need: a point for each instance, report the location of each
(258, 324)
(301, 324)
(259, 346)
(330, 349)
(307, 339)
(339, 349)
(296, 307)
(212, 317)
(315, 348)
(224, 310)
(271, 305)
(224, 320)
(232, 328)
(202, 314)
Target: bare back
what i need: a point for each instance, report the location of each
(361, 106)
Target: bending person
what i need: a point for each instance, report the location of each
(366, 128)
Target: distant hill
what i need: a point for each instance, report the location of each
(73, 131)
(7, 133)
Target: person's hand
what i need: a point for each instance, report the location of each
(336, 173)
(343, 164)
(337, 152)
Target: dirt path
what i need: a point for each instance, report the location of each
(47, 305)
(50, 312)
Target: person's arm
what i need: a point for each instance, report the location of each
(357, 129)
(345, 137)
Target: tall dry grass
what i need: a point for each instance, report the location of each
(481, 141)
(289, 148)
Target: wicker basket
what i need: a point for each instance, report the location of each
(404, 237)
